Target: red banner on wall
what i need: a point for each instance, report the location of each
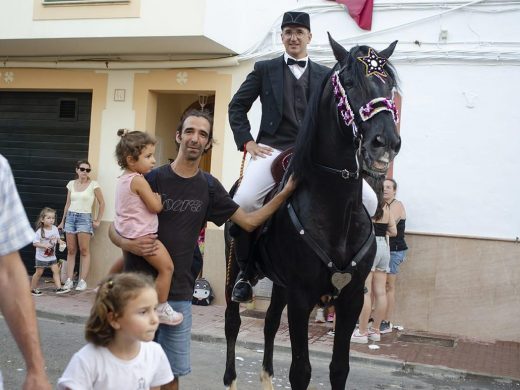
(360, 10)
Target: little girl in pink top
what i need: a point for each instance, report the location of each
(137, 207)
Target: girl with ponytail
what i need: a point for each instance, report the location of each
(120, 353)
(45, 239)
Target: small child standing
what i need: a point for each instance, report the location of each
(45, 239)
(120, 353)
(137, 207)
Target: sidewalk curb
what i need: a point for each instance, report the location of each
(61, 317)
(397, 365)
(454, 373)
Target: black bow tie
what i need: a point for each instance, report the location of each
(301, 63)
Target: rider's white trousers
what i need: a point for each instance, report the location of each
(258, 181)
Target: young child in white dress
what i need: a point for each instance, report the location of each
(45, 240)
(120, 353)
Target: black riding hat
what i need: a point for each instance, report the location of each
(293, 18)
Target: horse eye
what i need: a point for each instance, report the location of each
(349, 83)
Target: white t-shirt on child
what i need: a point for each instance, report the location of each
(52, 236)
(96, 368)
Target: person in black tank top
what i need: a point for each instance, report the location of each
(398, 249)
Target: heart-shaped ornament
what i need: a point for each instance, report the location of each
(340, 279)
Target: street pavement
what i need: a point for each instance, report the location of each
(407, 351)
(60, 340)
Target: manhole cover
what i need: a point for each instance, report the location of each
(253, 314)
(430, 340)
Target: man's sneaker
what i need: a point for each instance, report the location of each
(359, 338)
(331, 333)
(68, 284)
(320, 317)
(167, 315)
(386, 327)
(62, 290)
(82, 285)
(373, 334)
(330, 317)
(36, 292)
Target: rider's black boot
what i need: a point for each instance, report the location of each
(243, 290)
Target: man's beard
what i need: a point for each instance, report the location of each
(191, 156)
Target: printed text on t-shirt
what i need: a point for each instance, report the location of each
(182, 205)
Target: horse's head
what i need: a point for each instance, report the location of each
(364, 85)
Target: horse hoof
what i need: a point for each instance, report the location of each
(232, 386)
(266, 380)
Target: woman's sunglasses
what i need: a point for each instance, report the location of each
(84, 169)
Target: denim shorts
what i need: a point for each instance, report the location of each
(382, 259)
(396, 258)
(78, 223)
(176, 340)
(44, 264)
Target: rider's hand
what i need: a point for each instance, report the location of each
(256, 150)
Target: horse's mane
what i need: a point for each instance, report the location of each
(302, 159)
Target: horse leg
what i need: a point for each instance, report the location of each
(348, 306)
(299, 308)
(232, 326)
(271, 325)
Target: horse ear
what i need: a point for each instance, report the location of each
(386, 53)
(339, 51)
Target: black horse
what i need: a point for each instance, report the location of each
(321, 242)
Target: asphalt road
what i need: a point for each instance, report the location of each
(60, 340)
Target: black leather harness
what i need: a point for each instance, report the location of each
(339, 278)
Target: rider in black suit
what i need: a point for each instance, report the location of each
(283, 85)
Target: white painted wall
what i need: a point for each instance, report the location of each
(458, 164)
(157, 18)
(457, 167)
(117, 115)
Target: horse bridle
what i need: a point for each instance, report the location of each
(366, 112)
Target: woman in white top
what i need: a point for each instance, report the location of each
(78, 221)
